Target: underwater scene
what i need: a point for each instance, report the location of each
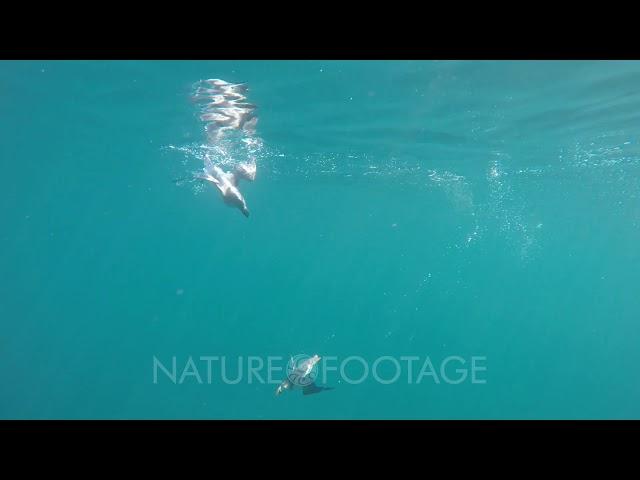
(320, 239)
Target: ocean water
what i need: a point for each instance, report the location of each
(484, 212)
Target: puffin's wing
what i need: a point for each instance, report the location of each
(208, 177)
(246, 171)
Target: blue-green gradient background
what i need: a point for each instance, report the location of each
(401, 208)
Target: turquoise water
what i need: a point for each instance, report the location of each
(428, 209)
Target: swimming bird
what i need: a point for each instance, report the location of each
(227, 182)
(225, 112)
(300, 377)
